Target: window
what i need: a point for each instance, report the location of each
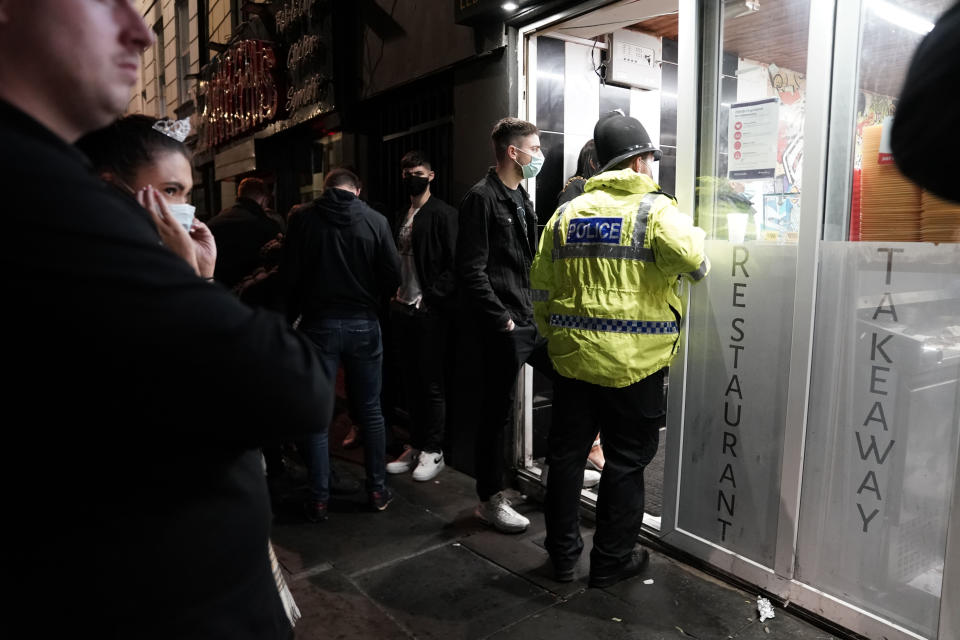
(884, 418)
(160, 70)
(885, 205)
(741, 317)
(236, 15)
(182, 18)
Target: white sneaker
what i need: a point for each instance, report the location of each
(591, 478)
(405, 461)
(430, 465)
(498, 513)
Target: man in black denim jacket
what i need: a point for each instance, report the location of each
(495, 248)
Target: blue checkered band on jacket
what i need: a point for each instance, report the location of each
(612, 325)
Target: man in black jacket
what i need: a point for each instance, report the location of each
(241, 231)
(340, 264)
(426, 233)
(142, 391)
(496, 242)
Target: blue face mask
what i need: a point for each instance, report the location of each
(531, 169)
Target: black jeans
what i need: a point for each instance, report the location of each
(421, 341)
(629, 422)
(503, 353)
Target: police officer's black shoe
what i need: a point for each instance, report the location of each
(635, 564)
(560, 570)
(562, 573)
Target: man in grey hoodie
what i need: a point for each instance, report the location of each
(340, 265)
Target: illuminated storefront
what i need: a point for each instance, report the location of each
(812, 437)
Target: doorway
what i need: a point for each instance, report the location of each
(623, 56)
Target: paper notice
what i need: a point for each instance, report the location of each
(752, 139)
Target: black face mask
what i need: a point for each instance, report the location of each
(415, 185)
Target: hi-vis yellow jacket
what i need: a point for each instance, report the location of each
(605, 279)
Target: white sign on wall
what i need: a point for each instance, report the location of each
(752, 139)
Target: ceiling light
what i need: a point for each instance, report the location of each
(509, 6)
(901, 17)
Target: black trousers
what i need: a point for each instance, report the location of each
(629, 422)
(421, 344)
(502, 355)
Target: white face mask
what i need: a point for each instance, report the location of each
(183, 213)
(532, 168)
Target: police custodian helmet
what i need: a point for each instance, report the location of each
(619, 137)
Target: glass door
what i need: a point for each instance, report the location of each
(816, 427)
(729, 425)
(884, 408)
(571, 79)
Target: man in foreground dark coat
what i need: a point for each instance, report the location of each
(140, 391)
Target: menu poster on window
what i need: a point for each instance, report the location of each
(753, 138)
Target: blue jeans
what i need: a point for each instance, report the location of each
(356, 343)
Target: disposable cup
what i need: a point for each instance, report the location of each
(737, 227)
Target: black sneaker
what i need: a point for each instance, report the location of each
(380, 499)
(315, 511)
(635, 564)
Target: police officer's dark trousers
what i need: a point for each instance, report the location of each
(629, 421)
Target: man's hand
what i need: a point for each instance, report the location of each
(510, 326)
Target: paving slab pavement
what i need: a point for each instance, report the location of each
(425, 568)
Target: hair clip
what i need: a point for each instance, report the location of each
(176, 129)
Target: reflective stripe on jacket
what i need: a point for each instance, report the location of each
(605, 279)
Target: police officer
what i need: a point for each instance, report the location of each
(605, 284)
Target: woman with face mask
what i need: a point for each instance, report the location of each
(147, 158)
